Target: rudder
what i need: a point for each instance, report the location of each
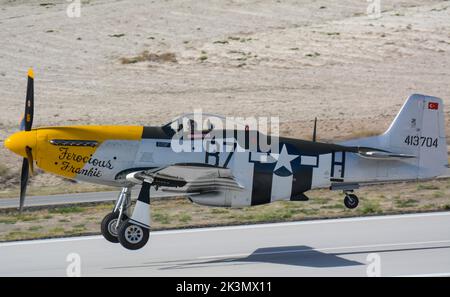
(419, 129)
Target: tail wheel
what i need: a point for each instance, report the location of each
(109, 226)
(132, 236)
(351, 201)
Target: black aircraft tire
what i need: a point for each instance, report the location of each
(132, 236)
(351, 201)
(107, 226)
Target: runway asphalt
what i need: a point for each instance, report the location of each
(404, 245)
(60, 199)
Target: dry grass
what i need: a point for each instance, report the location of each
(150, 57)
(180, 213)
(63, 188)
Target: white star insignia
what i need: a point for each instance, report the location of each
(284, 159)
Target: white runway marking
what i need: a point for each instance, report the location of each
(443, 274)
(330, 249)
(253, 226)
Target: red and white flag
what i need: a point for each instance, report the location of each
(433, 105)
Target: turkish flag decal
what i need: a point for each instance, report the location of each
(433, 105)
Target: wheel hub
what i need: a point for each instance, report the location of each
(134, 234)
(112, 227)
(351, 201)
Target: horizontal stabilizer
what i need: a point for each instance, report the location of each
(382, 155)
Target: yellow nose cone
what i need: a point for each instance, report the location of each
(19, 141)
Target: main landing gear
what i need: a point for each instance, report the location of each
(110, 225)
(130, 230)
(351, 201)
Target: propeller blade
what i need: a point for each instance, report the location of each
(29, 103)
(26, 124)
(22, 124)
(30, 159)
(23, 183)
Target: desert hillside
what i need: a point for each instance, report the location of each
(144, 62)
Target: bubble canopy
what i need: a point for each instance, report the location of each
(205, 123)
(242, 133)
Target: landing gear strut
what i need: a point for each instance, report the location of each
(134, 233)
(351, 201)
(111, 222)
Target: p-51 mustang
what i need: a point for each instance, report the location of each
(413, 148)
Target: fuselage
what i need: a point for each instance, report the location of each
(106, 154)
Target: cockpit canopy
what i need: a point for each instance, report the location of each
(202, 123)
(241, 132)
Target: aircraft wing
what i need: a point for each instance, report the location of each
(187, 179)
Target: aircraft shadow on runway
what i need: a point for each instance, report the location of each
(298, 256)
(304, 256)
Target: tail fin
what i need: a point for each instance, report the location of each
(417, 131)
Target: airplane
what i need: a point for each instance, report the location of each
(413, 148)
